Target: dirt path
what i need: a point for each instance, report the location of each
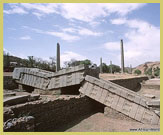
(100, 123)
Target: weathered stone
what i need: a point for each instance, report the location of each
(120, 99)
(34, 97)
(149, 95)
(119, 90)
(9, 94)
(15, 100)
(22, 124)
(58, 58)
(154, 103)
(50, 113)
(46, 80)
(122, 57)
(101, 65)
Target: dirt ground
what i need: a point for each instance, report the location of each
(98, 122)
(151, 91)
(107, 76)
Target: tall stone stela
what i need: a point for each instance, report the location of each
(100, 65)
(130, 68)
(111, 71)
(122, 57)
(58, 58)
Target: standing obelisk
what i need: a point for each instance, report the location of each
(122, 57)
(100, 65)
(58, 58)
(111, 70)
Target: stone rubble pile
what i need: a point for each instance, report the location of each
(110, 94)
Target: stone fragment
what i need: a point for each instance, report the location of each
(34, 97)
(154, 103)
(120, 99)
(15, 100)
(149, 95)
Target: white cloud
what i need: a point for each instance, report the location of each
(122, 8)
(142, 42)
(41, 8)
(68, 34)
(86, 12)
(118, 21)
(63, 36)
(91, 11)
(112, 46)
(15, 10)
(25, 38)
(70, 30)
(84, 31)
(37, 14)
(17, 54)
(7, 51)
(68, 55)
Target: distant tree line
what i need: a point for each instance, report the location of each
(10, 62)
(150, 72)
(74, 62)
(108, 68)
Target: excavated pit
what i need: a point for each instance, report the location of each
(52, 113)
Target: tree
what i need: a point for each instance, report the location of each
(137, 71)
(74, 62)
(52, 63)
(6, 60)
(86, 62)
(115, 68)
(157, 71)
(31, 61)
(105, 68)
(149, 72)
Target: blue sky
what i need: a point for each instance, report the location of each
(84, 31)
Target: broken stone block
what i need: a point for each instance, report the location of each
(22, 124)
(154, 103)
(9, 94)
(46, 80)
(120, 99)
(149, 95)
(15, 100)
(34, 97)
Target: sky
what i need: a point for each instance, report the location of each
(84, 31)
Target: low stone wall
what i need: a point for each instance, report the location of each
(130, 83)
(9, 83)
(150, 86)
(52, 114)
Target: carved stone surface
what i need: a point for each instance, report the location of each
(121, 99)
(46, 80)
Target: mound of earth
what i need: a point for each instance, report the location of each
(144, 67)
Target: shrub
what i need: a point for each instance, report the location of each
(157, 71)
(137, 71)
(148, 72)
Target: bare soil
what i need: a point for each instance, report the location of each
(98, 122)
(107, 76)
